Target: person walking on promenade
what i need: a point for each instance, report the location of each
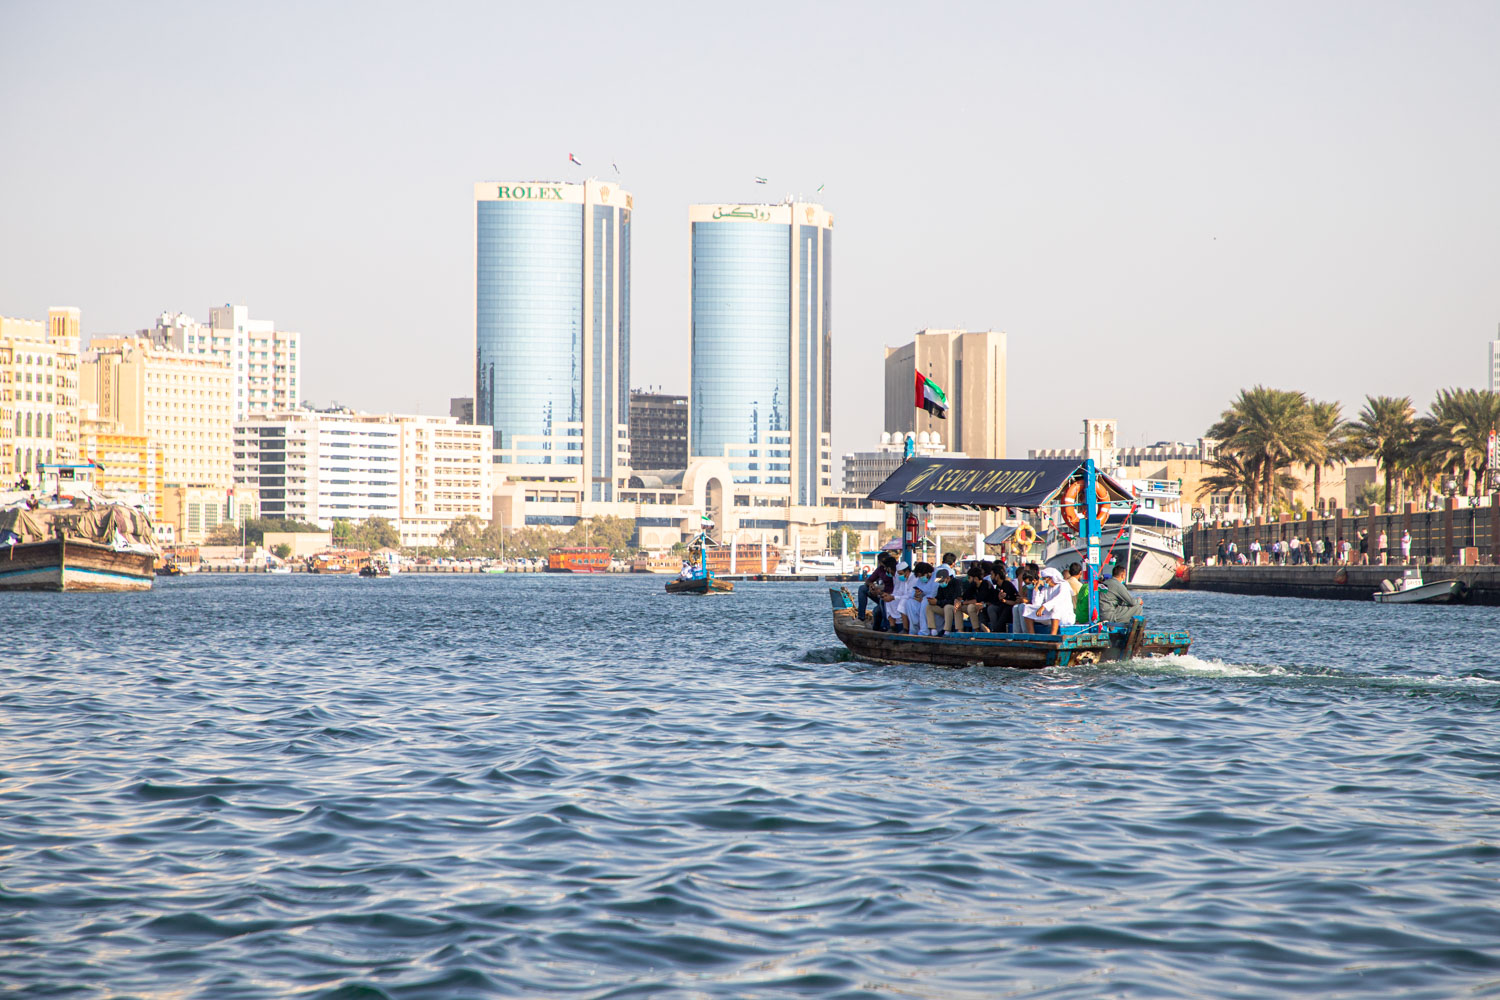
(1364, 548)
(1255, 551)
(1221, 554)
(1296, 548)
(1381, 548)
(1318, 551)
(1344, 551)
(1405, 548)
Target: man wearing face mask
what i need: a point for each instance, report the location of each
(895, 608)
(924, 586)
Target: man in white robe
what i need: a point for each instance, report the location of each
(1051, 604)
(896, 608)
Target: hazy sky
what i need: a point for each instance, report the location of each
(1159, 202)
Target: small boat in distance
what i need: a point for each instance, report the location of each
(1411, 590)
(700, 579)
(578, 559)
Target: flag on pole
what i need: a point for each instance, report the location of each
(616, 166)
(760, 180)
(706, 521)
(820, 189)
(574, 160)
(931, 398)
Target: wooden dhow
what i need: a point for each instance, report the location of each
(1082, 495)
(82, 545)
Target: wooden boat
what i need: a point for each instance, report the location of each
(704, 580)
(1077, 645)
(74, 564)
(1411, 590)
(77, 544)
(1082, 496)
(700, 585)
(169, 568)
(578, 559)
(374, 569)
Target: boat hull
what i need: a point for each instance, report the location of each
(1153, 560)
(1440, 592)
(712, 585)
(74, 565)
(1001, 649)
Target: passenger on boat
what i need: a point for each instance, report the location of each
(687, 571)
(942, 608)
(1116, 602)
(1007, 600)
(971, 602)
(896, 600)
(1051, 604)
(924, 587)
(1074, 580)
(877, 586)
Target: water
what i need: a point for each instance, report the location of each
(246, 787)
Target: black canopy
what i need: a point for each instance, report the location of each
(985, 482)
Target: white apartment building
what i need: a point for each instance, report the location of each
(263, 360)
(181, 403)
(38, 393)
(1495, 366)
(420, 473)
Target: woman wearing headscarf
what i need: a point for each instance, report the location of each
(1051, 604)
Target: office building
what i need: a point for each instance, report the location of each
(419, 473)
(38, 393)
(865, 470)
(264, 361)
(1495, 365)
(182, 403)
(461, 408)
(970, 369)
(552, 330)
(658, 431)
(762, 335)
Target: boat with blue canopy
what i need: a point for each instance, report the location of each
(996, 484)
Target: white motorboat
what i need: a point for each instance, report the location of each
(1148, 535)
(1411, 590)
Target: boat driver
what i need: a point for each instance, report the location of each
(1116, 602)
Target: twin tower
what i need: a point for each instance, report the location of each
(552, 336)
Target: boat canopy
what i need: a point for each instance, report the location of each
(986, 483)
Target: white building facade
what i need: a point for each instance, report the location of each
(420, 473)
(264, 362)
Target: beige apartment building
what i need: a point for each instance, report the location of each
(128, 464)
(38, 392)
(445, 475)
(263, 360)
(970, 369)
(181, 403)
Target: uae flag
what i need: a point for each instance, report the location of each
(931, 398)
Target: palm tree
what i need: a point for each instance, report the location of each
(1385, 429)
(1331, 443)
(1270, 428)
(1235, 475)
(1465, 418)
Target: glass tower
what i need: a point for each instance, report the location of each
(762, 336)
(552, 328)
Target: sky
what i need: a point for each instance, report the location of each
(1159, 203)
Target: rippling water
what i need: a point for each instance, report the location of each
(246, 787)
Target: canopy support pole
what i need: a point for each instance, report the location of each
(1091, 531)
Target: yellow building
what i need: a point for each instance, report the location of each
(192, 513)
(181, 403)
(38, 392)
(127, 464)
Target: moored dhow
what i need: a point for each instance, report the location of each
(78, 544)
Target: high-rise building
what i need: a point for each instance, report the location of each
(658, 431)
(420, 473)
(461, 408)
(1495, 365)
(182, 403)
(38, 393)
(762, 338)
(970, 369)
(263, 360)
(552, 329)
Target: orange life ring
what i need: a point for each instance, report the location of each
(1024, 536)
(1071, 505)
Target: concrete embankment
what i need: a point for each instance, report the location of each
(1350, 583)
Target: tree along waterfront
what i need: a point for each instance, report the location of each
(1265, 432)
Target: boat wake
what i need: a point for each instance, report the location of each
(1189, 666)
